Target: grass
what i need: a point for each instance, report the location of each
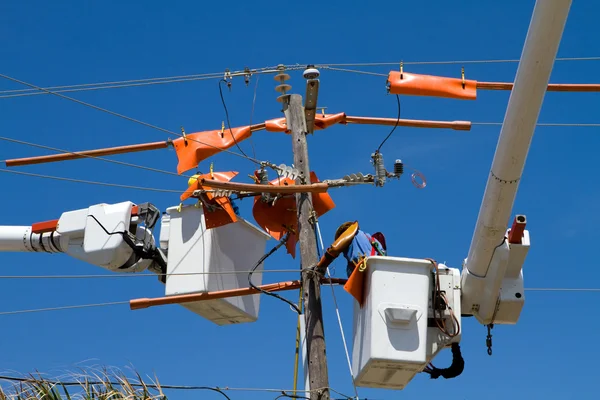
(95, 386)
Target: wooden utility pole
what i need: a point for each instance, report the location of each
(313, 314)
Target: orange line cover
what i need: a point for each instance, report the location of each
(223, 213)
(281, 217)
(190, 152)
(429, 85)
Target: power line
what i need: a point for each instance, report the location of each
(89, 87)
(354, 71)
(142, 275)
(575, 124)
(133, 82)
(562, 290)
(59, 178)
(497, 61)
(114, 303)
(125, 117)
(41, 146)
(34, 310)
(265, 70)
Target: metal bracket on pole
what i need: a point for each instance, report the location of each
(312, 93)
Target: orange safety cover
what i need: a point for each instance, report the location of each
(429, 85)
(191, 152)
(223, 214)
(321, 122)
(282, 217)
(356, 282)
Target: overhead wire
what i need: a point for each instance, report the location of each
(60, 178)
(34, 310)
(134, 82)
(128, 118)
(227, 117)
(263, 70)
(281, 243)
(442, 62)
(394, 128)
(337, 310)
(90, 87)
(252, 114)
(140, 275)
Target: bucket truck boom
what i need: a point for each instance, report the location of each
(492, 277)
(117, 237)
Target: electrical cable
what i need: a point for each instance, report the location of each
(394, 128)
(263, 70)
(581, 125)
(90, 87)
(59, 178)
(134, 82)
(127, 118)
(497, 61)
(290, 396)
(116, 383)
(262, 259)
(252, 114)
(355, 71)
(440, 321)
(227, 118)
(41, 146)
(337, 310)
(140, 275)
(114, 303)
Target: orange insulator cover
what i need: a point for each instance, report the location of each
(201, 145)
(223, 213)
(355, 285)
(429, 85)
(282, 217)
(321, 122)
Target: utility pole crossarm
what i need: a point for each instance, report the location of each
(315, 336)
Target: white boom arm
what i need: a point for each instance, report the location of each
(492, 279)
(111, 236)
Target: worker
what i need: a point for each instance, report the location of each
(361, 245)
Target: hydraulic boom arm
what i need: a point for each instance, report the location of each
(492, 280)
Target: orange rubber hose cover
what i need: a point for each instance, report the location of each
(429, 85)
(190, 154)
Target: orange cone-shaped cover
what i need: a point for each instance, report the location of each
(429, 85)
(221, 213)
(190, 152)
(356, 283)
(282, 217)
(321, 122)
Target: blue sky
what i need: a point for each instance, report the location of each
(63, 43)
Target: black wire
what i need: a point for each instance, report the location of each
(395, 126)
(151, 386)
(227, 117)
(263, 258)
(252, 115)
(290, 396)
